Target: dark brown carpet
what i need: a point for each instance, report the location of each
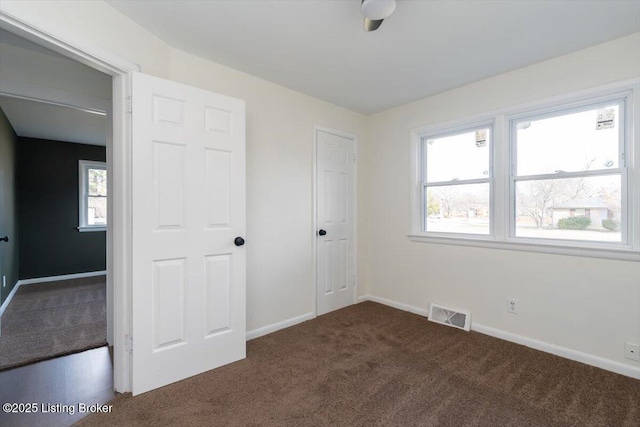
(371, 365)
(52, 319)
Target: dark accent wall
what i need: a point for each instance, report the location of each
(8, 207)
(47, 187)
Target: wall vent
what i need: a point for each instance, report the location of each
(450, 316)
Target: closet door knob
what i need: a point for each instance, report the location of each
(239, 241)
(4, 239)
(322, 232)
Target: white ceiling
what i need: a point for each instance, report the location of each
(319, 47)
(33, 119)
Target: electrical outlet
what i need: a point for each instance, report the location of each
(632, 351)
(512, 305)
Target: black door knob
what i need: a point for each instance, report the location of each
(239, 241)
(322, 232)
(4, 239)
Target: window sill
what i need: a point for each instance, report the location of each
(86, 229)
(622, 253)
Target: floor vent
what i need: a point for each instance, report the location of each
(450, 316)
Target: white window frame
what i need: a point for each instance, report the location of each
(83, 194)
(621, 170)
(424, 184)
(502, 215)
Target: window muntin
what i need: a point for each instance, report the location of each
(93, 195)
(457, 182)
(567, 163)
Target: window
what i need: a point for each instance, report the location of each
(569, 174)
(456, 182)
(93, 196)
(555, 177)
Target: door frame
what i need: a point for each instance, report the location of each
(119, 181)
(314, 222)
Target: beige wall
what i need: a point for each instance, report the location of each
(585, 304)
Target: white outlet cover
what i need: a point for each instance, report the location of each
(512, 305)
(632, 351)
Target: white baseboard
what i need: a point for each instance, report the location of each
(19, 283)
(279, 325)
(567, 353)
(63, 277)
(6, 302)
(394, 304)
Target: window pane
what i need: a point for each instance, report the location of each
(97, 182)
(458, 209)
(97, 211)
(587, 208)
(588, 140)
(462, 156)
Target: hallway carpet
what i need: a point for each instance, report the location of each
(52, 319)
(371, 365)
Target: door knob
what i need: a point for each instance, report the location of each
(239, 241)
(322, 232)
(4, 239)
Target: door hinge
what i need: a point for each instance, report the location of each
(354, 157)
(128, 344)
(129, 105)
(353, 279)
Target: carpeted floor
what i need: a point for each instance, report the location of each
(371, 365)
(52, 319)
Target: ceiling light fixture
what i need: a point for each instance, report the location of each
(375, 11)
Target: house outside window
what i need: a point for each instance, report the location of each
(92, 196)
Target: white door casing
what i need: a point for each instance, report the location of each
(335, 216)
(188, 188)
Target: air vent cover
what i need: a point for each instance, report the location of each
(450, 316)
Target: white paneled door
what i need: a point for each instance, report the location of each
(335, 233)
(188, 177)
